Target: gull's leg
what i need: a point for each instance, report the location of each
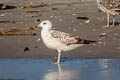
(58, 60)
(108, 20)
(113, 21)
(59, 54)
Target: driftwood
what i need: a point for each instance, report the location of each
(25, 31)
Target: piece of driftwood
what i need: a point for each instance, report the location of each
(25, 31)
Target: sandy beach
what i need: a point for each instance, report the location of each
(77, 17)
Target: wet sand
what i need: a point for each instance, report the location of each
(66, 16)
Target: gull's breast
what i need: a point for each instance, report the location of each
(50, 42)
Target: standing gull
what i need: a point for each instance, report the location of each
(110, 7)
(58, 40)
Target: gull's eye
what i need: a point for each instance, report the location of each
(44, 23)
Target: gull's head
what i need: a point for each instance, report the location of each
(45, 24)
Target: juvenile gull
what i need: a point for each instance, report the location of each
(110, 7)
(58, 40)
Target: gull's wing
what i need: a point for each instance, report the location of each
(115, 5)
(65, 37)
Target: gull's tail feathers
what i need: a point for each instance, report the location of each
(82, 41)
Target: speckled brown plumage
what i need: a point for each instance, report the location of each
(111, 7)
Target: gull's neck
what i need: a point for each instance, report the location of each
(45, 33)
(46, 29)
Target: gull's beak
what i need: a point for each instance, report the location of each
(37, 26)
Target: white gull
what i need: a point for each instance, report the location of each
(58, 40)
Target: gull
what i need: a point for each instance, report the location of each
(110, 7)
(58, 40)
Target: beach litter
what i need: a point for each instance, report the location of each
(83, 18)
(32, 11)
(35, 6)
(102, 35)
(2, 15)
(38, 20)
(38, 40)
(87, 21)
(54, 8)
(5, 21)
(25, 31)
(26, 50)
(74, 30)
(99, 10)
(29, 6)
(3, 6)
